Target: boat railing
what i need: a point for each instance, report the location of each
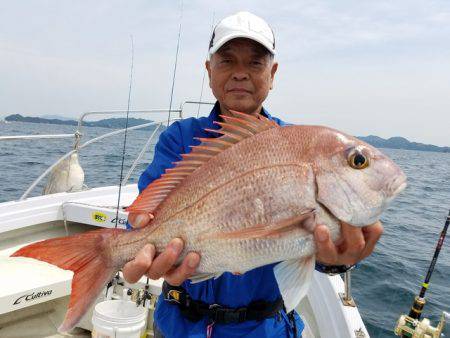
(31, 137)
(77, 135)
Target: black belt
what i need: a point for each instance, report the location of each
(195, 310)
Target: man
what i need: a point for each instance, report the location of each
(241, 69)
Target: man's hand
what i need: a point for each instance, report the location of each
(354, 245)
(145, 262)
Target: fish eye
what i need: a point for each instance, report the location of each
(357, 160)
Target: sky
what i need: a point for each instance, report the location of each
(363, 67)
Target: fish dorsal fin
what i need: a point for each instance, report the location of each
(233, 129)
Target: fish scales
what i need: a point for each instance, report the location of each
(238, 201)
(224, 201)
(263, 149)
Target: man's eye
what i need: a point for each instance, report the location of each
(224, 61)
(256, 63)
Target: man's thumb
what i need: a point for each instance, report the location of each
(139, 220)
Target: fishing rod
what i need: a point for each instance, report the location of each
(116, 279)
(176, 62)
(204, 68)
(145, 297)
(126, 129)
(410, 326)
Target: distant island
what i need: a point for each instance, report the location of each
(401, 143)
(393, 142)
(115, 123)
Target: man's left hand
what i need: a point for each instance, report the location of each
(354, 244)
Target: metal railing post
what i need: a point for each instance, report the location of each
(346, 297)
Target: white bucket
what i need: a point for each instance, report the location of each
(119, 319)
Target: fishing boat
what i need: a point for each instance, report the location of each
(34, 295)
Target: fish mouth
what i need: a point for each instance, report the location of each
(397, 185)
(400, 188)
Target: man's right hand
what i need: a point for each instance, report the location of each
(145, 262)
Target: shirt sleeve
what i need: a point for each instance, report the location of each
(167, 151)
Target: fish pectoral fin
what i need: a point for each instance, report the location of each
(294, 277)
(201, 277)
(305, 221)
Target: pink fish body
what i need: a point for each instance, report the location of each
(248, 198)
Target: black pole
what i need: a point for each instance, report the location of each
(419, 302)
(435, 256)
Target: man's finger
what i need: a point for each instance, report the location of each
(354, 243)
(135, 269)
(372, 234)
(326, 250)
(165, 261)
(184, 271)
(139, 220)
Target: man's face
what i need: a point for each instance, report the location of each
(241, 74)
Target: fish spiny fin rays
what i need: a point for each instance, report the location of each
(240, 126)
(294, 278)
(233, 130)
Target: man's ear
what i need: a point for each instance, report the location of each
(272, 73)
(208, 68)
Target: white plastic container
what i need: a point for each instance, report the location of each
(119, 319)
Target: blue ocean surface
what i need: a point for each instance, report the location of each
(384, 285)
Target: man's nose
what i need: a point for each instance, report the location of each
(240, 73)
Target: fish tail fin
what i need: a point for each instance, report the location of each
(88, 256)
(294, 278)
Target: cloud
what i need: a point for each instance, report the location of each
(342, 63)
(320, 26)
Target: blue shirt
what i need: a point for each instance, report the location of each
(228, 290)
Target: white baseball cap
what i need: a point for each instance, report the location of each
(242, 25)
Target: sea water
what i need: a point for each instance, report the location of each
(383, 285)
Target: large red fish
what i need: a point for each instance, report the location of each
(248, 198)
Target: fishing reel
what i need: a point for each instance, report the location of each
(138, 293)
(415, 328)
(410, 326)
